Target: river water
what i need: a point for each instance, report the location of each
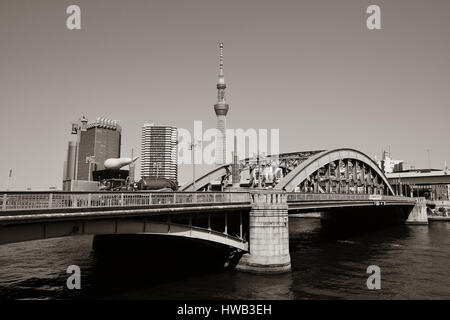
(414, 263)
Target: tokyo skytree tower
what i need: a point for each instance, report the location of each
(221, 109)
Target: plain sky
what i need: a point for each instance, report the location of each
(309, 68)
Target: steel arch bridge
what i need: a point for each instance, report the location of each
(342, 171)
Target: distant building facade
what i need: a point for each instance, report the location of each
(159, 152)
(101, 140)
(389, 165)
(433, 184)
(69, 164)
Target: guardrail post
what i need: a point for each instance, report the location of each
(174, 198)
(74, 201)
(121, 199)
(89, 199)
(4, 202)
(50, 200)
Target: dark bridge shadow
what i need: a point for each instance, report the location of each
(130, 262)
(342, 223)
(346, 222)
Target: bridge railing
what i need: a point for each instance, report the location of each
(65, 200)
(297, 197)
(68, 200)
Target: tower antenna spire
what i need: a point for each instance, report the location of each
(221, 59)
(221, 86)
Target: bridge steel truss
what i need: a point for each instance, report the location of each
(286, 162)
(342, 171)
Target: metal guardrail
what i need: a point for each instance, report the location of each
(297, 197)
(62, 200)
(17, 201)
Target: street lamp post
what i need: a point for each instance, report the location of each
(9, 179)
(157, 165)
(192, 146)
(131, 173)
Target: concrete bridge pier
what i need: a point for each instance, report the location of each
(268, 235)
(418, 214)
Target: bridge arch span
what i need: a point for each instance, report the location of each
(216, 174)
(346, 170)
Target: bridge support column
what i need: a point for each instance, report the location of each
(418, 214)
(268, 235)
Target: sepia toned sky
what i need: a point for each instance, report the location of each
(310, 68)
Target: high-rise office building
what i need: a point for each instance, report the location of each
(221, 110)
(69, 164)
(159, 152)
(101, 141)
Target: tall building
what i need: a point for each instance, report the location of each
(69, 164)
(101, 141)
(221, 110)
(159, 152)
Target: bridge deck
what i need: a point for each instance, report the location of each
(50, 205)
(41, 215)
(305, 202)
